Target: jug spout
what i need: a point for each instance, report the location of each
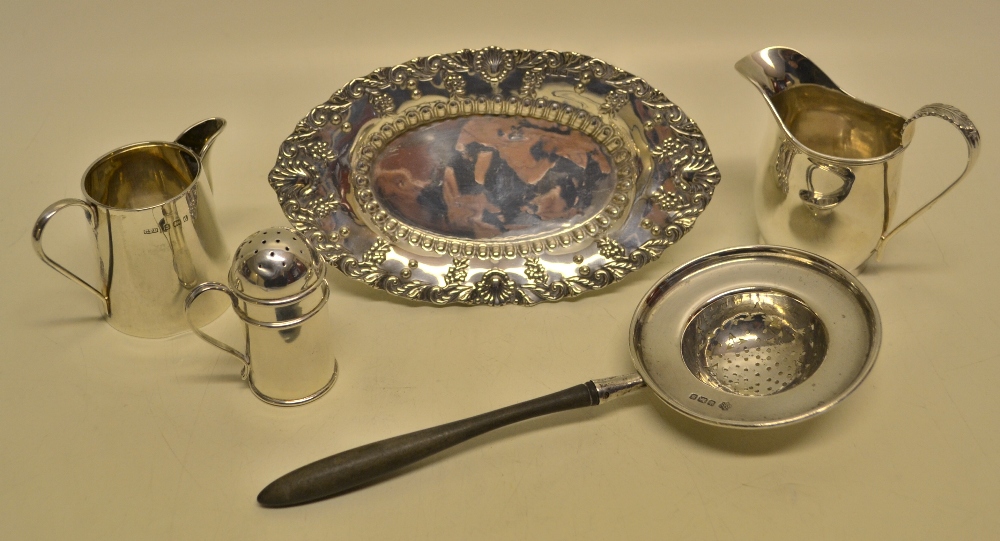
(775, 69)
(199, 138)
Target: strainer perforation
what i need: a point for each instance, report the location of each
(754, 343)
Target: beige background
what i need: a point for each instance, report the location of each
(103, 436)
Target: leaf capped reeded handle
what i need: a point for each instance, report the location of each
(968, 130)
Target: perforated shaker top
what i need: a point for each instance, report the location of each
(275, 263)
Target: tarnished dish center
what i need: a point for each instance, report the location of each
(494, 176)
(485, 177)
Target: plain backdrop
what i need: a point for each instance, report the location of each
(104, 436)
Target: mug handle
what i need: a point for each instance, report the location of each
(968, 130)
(216, 286)
(90, 212)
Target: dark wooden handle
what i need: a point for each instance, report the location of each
(349, 469)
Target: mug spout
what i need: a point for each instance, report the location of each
(775, 69)
(199, 138)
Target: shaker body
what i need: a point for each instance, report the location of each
(295, 364)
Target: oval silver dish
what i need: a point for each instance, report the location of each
(494, 176)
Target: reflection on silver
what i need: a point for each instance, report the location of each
(842, 156)
(150, 208)
(767, 336)
(494, 176)
(617, 386)
(688, 297)
(278, 288)
(754, 342)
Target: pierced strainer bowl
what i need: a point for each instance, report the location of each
(755, 337)
(754, 342)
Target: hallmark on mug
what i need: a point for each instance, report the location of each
(164, 226)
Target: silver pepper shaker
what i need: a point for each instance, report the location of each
(278, 288)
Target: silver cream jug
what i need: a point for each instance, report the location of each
(149, 207)
(830, 173)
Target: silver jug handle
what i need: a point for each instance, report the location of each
(90, 212)
(968, 130)
(197, 291)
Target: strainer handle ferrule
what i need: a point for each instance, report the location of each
(215, 286)
(617, 386)
(36, 241)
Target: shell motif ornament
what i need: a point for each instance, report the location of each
(494, 176)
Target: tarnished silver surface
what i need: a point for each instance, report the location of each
(278, 288)
(829, 180)
(150, 208)
(755, 337)
(494, 176)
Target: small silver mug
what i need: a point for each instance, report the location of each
(150, 208)
(278, 288)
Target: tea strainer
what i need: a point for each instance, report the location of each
(748, 337)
